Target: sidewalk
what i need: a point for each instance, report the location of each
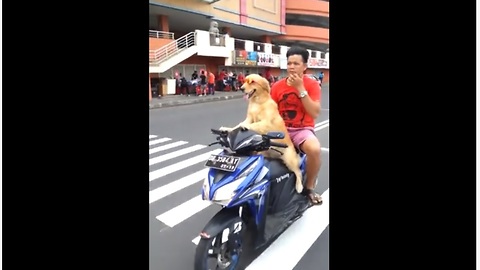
(177, 100)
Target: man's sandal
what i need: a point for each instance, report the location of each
(313, 197)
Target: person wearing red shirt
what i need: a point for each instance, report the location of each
(240, 78)
(211, 83)
(221, 77)
(298, 100)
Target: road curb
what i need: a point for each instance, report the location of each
(187, 101)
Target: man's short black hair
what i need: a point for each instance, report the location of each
(299, 51)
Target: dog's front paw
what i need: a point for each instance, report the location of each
(299, 187)
(225, 129)
(245, 126)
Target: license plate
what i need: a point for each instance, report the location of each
(224, 163)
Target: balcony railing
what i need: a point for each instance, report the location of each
(160, 34)
(172, 48)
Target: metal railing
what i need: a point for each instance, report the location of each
(172, 48)
(160, 34)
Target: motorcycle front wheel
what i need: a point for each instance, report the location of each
(222, 251)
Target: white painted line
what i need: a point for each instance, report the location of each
(152, 136)
(180, 213)
(324, 149)
(301, 235)
(159, 141)
(181, 165)
(196, 240)
(172, 187)
(175, 154)
(166, 147)
(321, 127)
(322, 123)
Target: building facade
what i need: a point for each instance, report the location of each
(235, 35)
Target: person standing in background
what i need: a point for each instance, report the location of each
(203, 83)
(211, 83)
(320, 77)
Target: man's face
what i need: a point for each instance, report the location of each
(295, 64)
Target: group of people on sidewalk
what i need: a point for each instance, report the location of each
(203, 84)
(206, 82)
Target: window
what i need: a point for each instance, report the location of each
(307, 20)
(239, 44)
(275, 49)
(258, 47)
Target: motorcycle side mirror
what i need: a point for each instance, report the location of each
(275, 135)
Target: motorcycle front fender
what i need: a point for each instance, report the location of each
(219, 222)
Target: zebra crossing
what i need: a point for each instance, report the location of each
(169, 156)
(176, 173)
(181, 158)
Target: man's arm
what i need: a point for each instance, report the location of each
(311, 102)
(273, 92)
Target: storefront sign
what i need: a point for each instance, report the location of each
(251, 59)
(244, 58)
(268, 60)
(239, 57)
(317, 63)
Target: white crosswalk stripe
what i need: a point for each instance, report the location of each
(153, 175)
(175, 166)
(177, 185)
(163, 154)
(175, 154)
(166, 147)
(153, 142)
(183, 211)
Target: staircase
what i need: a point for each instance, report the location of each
(173, 53)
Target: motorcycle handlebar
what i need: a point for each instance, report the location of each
(224, 133)
(219, 132)
(278, 144)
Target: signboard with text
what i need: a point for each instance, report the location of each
(317, 63)
(244, 58)
(239, 57)
(251, 59)
(268, 60)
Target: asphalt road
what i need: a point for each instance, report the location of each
(178, 149)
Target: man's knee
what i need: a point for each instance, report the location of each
(311, 147)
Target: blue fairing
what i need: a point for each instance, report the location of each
(248, 191)
(250, 196)
(251, 191)
(303, 162)
(230, 177)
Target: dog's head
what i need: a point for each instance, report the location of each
(255, 85)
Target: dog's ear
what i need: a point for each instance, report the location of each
(260, 81)
(264, 84)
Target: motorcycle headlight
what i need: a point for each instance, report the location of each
(227, 191)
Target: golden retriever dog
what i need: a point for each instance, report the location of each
(263, 117)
